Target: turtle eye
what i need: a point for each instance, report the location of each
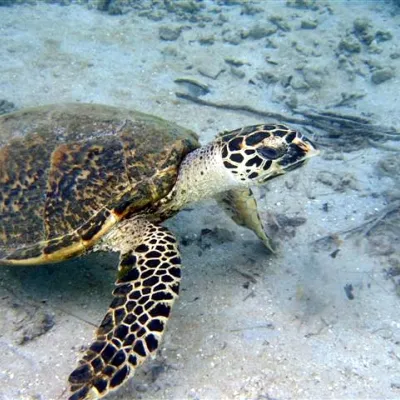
(269, 152)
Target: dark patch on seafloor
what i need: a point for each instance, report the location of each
(38, 295)
(6, 106)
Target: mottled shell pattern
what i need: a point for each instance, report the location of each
(69, 173)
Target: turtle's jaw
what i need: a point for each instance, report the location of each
(308, 146)
(297, 153)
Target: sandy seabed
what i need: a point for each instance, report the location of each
(248, 325)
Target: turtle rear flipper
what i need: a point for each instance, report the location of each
(146, 288)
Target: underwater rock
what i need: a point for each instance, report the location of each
(362, 30)
(298, 83)
(105, 5)
(9, 3)
(170, 51)
(382, 75)
(235, 62)
(280, 23)
(350, 45)
(153, 15)
(230, 37)
(314, 76)
(194, 87)
(190, 6)
(374, 49)
(285, 227)
(389, 166)
(309, 24)
(236, 71)
(187, 10)
(222, 19)
(348, 289)
(303, 4)
(169, 34)
(270, 60)
(250, 9)
(112, 7)
(258, 32)
(293, 222)
(6, 106)
(383, 36)
(267, 77)
(339, 183)
(305, 51)
(230, 2)
(207, 40)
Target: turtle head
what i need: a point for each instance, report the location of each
(256, 154)
(244, 157)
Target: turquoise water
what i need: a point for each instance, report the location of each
(319, 319)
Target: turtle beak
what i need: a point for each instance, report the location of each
(299, 151)
(309, 148)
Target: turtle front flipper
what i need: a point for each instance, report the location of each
(147, 285)
(240, 204)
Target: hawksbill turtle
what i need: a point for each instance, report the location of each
(77, 178)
